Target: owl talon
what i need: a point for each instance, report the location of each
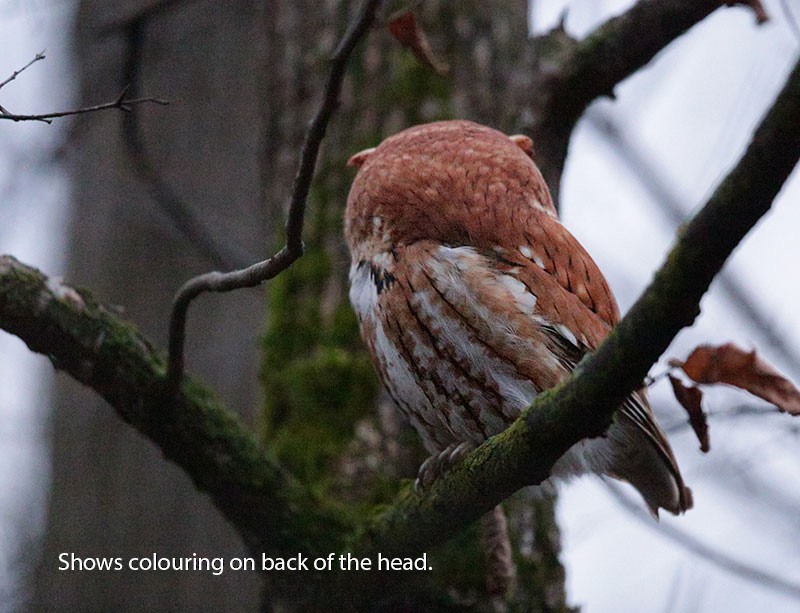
(424, 474)
(461, 451)
(436, 465)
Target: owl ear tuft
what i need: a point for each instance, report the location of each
(524, 143)
(359, 158)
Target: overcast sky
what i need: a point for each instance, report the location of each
(688, 116)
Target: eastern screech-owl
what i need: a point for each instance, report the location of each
(472, 298)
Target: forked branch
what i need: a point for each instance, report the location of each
(293, 249)
(120, 102)
(570, 74)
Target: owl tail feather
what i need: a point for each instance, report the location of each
(642, 456)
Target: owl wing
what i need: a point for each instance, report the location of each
(577, 310)
(465, 337)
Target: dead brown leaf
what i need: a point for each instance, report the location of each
(744, 369)
(691, 399)
(755, 5)
(406, 30)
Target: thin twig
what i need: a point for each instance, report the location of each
(16, 73)
(716, 557)
(293, 249)
(120, 103)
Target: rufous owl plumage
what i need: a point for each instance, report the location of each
(472, 297)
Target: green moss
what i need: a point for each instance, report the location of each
(323, 395)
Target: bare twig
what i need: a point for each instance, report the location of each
(742, 410)
(716, 557)
(293, 249)
(16, 73)
(121, 103)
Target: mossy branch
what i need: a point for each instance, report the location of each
(193, 429)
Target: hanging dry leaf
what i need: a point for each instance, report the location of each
(743, 369)
(406, 30)
(691, 399)
(755, 5)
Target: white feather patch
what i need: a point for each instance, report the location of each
(516, 392)
(523, 298)
(567, 334)
(399, 375)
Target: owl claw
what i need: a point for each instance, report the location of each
(425, 474)
(461, 451)
(438, 464)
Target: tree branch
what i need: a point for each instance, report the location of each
(293, 249)
(571, 74)
(192, 428)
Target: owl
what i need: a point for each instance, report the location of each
(472, 298)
